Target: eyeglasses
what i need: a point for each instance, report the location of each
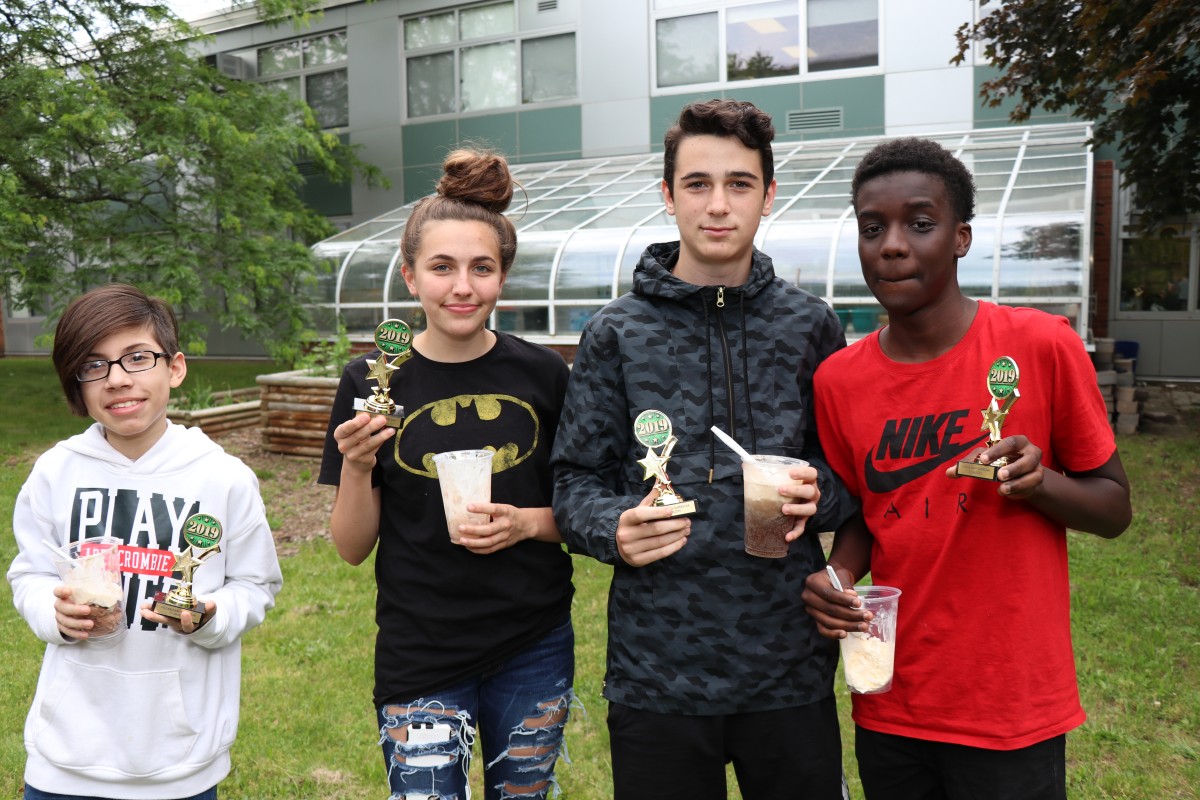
(137, 361)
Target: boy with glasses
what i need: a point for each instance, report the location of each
(151, 711)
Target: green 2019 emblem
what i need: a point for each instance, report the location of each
(202, 531)
(393, 336)
(652, 428)
(1003, 377)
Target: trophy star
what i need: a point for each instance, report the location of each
(654, 465)
(381, 370)
(185, 562)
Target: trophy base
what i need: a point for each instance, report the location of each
(394, 417)
(168, 605)
(973, 469)
(680, 508)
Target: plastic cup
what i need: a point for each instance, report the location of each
(868, 658)
(465, 477)
(91, 568)
(766, 524)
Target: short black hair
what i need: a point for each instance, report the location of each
(919, 155)
(743, 121)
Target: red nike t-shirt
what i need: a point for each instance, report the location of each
(983, 653)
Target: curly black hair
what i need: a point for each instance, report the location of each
(919, 155)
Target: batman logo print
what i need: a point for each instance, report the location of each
(498, 422)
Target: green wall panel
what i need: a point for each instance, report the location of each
(550, 133)
(495, 131)
(861, 101)
(420, 181)
(993, 117)
(428, 143)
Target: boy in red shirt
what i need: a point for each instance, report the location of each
(984, 689)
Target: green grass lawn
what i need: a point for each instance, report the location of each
(307, 728)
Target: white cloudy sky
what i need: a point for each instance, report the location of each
(192, 9)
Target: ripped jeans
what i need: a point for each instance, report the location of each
(518, 710)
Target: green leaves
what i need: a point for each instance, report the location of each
(1132, 67)
(124, 157)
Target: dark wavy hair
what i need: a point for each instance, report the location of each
(749, 124)
(919, 155)
(475, 186)
(95, 316)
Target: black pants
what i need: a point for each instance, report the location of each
(789, 754)
(900, 768)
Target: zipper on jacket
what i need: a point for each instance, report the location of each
(728, 359)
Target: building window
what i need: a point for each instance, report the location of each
(1158, 272)
(781, 39)
(312, 69)
(475, 59)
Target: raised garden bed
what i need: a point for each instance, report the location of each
(237, 408)
(295, 411)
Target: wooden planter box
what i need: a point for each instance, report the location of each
(219, 419)
(295, 411)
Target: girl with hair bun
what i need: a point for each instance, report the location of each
(475, 636)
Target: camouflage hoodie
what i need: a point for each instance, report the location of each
(709, 630)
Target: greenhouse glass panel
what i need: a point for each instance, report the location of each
(816, 206)
(529, 276)
(369, 230)
(1060, 197)
(626, 215)
(641, 239)
(588, 265)
(325, 289)
(366, 271)
(573, 319)
(800, 252)
(361, 322)
(609, 209)
(975, 268)
(847, 269)
(523, 319)
(1041, 255)
(398, 292)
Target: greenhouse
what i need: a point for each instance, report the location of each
(582, 225)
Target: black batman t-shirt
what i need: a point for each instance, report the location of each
(444, 613)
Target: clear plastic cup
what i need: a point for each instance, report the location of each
(868, 659)
(766, 524)
(91, 568)
(465, 477)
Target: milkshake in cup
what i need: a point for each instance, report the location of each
(766, 524)
(91, 569)
(868, 658)
(465, 477)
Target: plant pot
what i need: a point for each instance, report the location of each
(295, 411)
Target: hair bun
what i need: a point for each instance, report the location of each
(474, 176)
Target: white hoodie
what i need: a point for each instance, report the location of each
(154, 713)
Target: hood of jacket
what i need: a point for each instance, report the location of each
(654, 275)
(176, 450)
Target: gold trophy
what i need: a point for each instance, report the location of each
(1002, 381)
(653, 429)
(202, 532)
(393, 337)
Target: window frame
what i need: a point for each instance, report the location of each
(723, 83)
(303, 73)
(517, 36)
